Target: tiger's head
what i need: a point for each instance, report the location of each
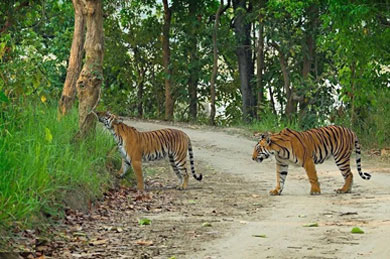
(107, 118)
(263, 148)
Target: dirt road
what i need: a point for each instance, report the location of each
(227, 215)
(282, 218)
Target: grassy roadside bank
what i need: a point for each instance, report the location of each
(41, 167)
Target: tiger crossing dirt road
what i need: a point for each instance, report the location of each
(283, 218)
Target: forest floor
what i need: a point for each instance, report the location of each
(229, 214)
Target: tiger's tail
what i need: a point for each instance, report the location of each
(197, 177)
(365, 176)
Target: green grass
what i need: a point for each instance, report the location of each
(272, 123)
(40, 164)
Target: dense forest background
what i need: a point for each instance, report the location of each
(262, 64)
(311, 62)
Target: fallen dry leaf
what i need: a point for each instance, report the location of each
(144, 242)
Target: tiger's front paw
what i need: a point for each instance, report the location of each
(275, 192)
(342, 190)
(315, 189)
(181, 186)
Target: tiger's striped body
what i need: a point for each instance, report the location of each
(308, 148)
(136, 146)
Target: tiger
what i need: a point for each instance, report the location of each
(136, 146)
(307, 148)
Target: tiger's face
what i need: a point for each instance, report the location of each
(107, 119)
(263, 148)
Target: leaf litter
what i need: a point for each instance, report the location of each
(116, 225)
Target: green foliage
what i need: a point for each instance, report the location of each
(373, 130)
(41, 165)
(35, 47)
(273, 123)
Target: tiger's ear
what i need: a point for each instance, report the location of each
(268, 139)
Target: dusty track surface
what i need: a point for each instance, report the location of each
(230, 214)
(281, 219)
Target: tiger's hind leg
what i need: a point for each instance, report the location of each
(176, 168)
(186, 177)
(343, 163)
(182, 166)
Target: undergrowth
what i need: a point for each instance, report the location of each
(272, 123)
(41, 164)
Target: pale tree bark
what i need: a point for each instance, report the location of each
(260, 60)
(272, 100)
(75, 59)
(166, 61)
(91, 76)
(215, 62)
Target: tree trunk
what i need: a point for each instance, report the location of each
(291, 103)
(352, 93)
(272, 100)
(75, 59)
(91, 76)
(244, 54)
(140, 95)
(194, 67)
(166, 61)
(260, 61)
(193, 87)
(308, 50)
(141, 66)
(140, 91)
(215, 64)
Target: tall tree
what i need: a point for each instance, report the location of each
(75, 60)
(260, 57)
(288, 89)
(309, 54)
(219, 12)
(193, 59)
(91, 76)
(242, 28)
(169, 103)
